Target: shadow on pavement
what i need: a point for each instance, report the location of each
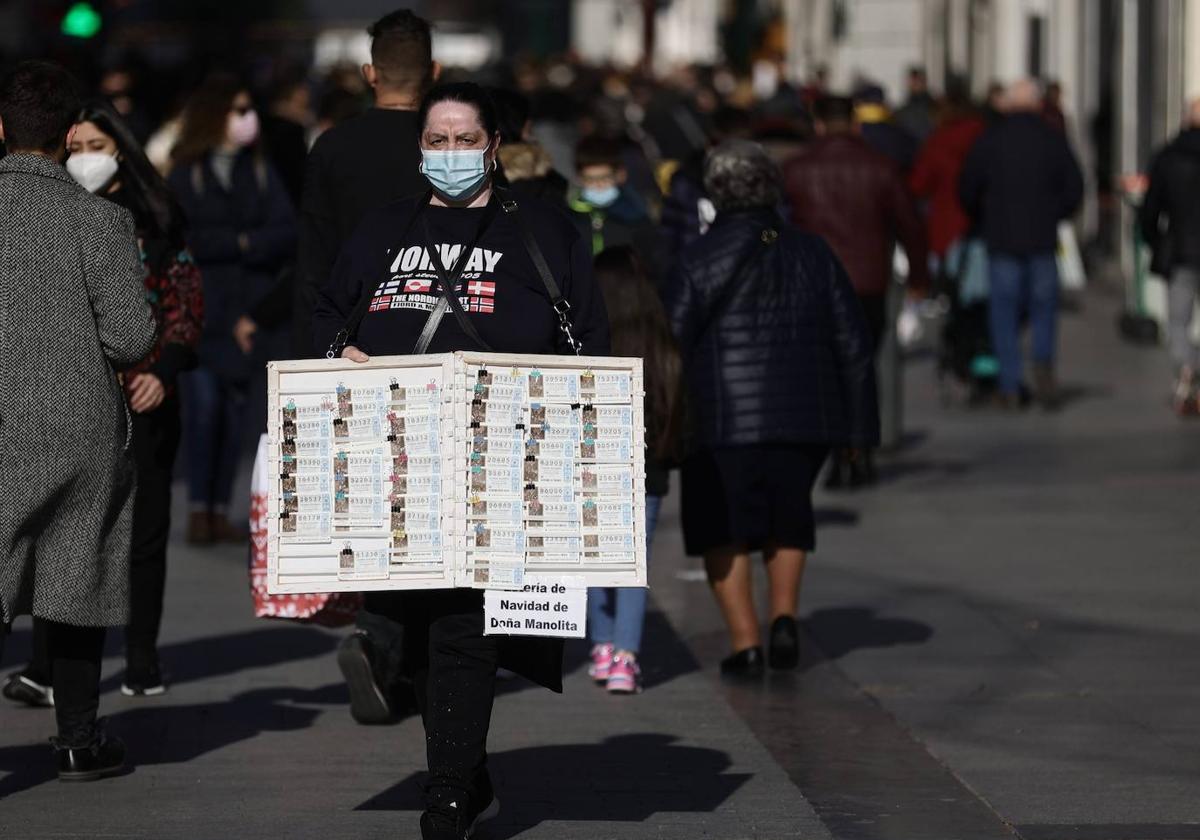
(213, 656)
(626, 778)
(840, 631)
(178, 734)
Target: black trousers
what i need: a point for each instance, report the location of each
(73, 655)
(154, 446)
(453, 668)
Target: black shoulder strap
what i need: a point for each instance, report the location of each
(562, 307)
(350, 330)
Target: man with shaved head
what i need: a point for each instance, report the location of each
(1170, 222)
(1019, 181)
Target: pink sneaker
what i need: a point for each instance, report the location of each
(624, 677)
(602, 660)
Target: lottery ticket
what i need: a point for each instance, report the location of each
(361, 428)
(551, 527)
(431, 502)
(306, 526)
(416, 485)
(560, 449)
(423, 559)
(405, 464)
(363, 564)
(546, 471)
(417, 540)
(498, 538)
(554, 387)
(411, 423)
(307, 465)
(553, 415)
(421, 443)
(496, 480)
(403, 519)
(608, 415)
(359, 463)
(567, 511)
(606, 385)
(497, 571)
(550, 543)
(314, 427)
(546, 495)
(609, 515)
(491, 413)
(364, 484)
(308, 502)
(607, 479)
(606, 451)
(421, 395)
(322, 408)
(305, 483)
(610, 542)
(509, 512)
(306, 447)
(491, 434)
(573, 433)
(506, 392)
(499, 442)
(596, 432)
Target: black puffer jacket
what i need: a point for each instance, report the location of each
(774, 343)
(1170, 213)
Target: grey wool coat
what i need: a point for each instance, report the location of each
(72, 310)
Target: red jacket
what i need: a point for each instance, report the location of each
(935, 177)
(842, 190)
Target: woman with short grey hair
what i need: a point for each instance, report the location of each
(778, 366)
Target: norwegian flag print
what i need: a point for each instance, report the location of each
(380, 303)
(486, 305)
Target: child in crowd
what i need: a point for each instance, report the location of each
(639, 328)
(607, 210)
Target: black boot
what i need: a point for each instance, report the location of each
(368, 699)
(744, 665)
(102, 756)
(785, 644)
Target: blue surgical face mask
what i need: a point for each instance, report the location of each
(455, 174)
(601, 197)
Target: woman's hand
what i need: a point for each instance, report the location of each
(354, 354)
(146, 392)
(243, 334)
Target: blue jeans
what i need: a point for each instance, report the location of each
(1022, 285)
(213, 420)
(617, 614)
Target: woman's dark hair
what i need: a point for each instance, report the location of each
(144, 192)
(467, 93)
(513, 111)
(639, 328)
(204, 118)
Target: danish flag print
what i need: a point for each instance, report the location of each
(481, 288)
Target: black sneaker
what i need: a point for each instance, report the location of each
(744, 665)
(29, 688)
(368, 702)
(143, 681)
(457, 820)
(785, 644)
(104, 756)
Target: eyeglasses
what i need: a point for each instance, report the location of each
(242, 110)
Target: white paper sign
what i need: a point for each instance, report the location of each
(548, 605)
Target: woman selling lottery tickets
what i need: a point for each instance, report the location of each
(523, 276)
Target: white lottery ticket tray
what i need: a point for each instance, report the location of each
(455, 470)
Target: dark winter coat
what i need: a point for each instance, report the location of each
(774, 344)
(236, 279)
(935, 177)
(1170, 214)
(72, 308)
(1019, 181)
(856, 200)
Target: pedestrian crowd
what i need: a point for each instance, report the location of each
(743, 245)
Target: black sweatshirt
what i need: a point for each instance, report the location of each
(364, 164)
(500, 288)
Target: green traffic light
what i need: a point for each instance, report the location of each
(81, 21)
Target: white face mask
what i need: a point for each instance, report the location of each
(93, 170)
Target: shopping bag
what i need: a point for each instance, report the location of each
(1071, 273)
(330, 610)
